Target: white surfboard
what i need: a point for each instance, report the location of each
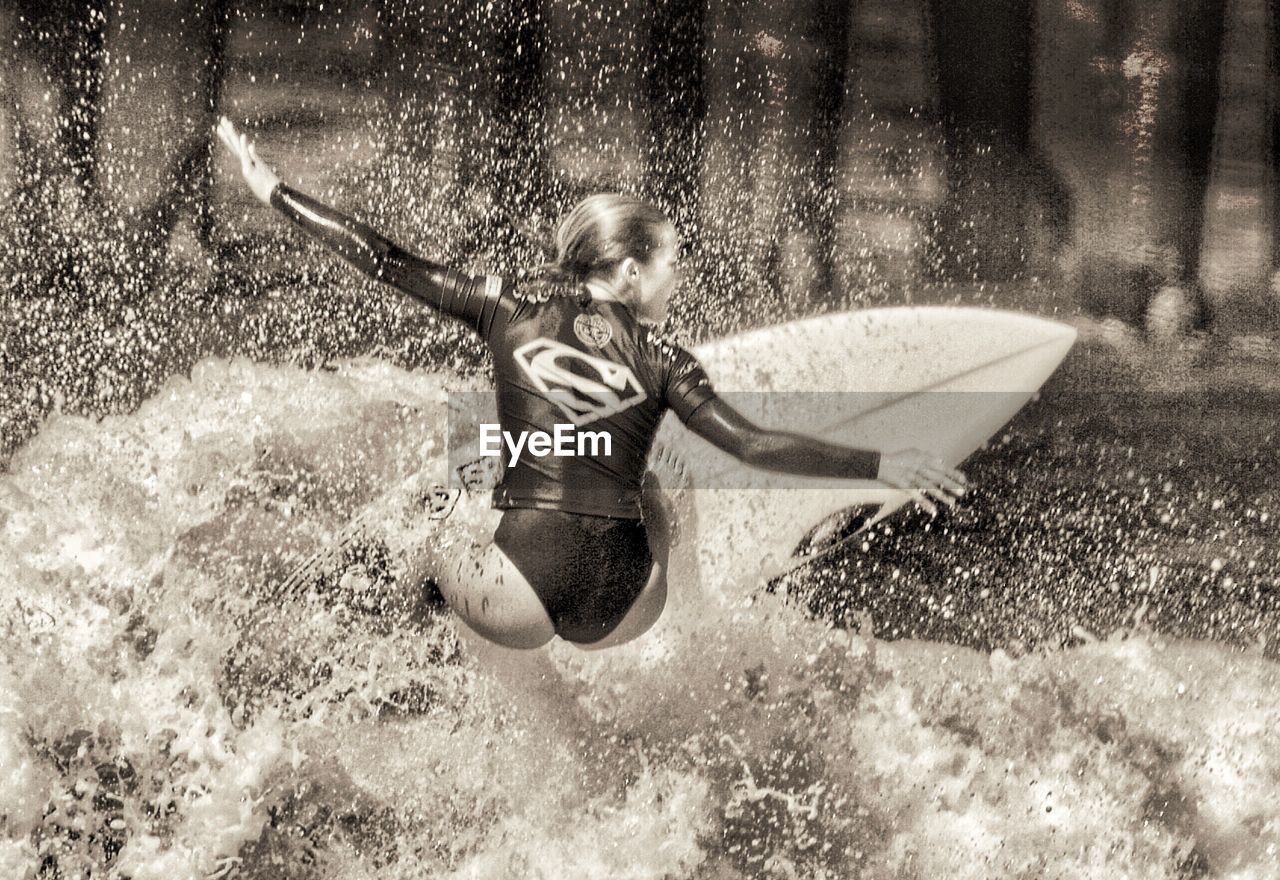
(941, 379)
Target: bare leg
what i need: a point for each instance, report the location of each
(481, 585)
(493, 598)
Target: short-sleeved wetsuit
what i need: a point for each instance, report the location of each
(572, 523)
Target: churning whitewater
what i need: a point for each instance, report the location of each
(348, 732)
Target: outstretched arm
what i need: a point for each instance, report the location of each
(911, 470)
(474, 300)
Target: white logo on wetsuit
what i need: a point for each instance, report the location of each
(582, 399)
(592, 330)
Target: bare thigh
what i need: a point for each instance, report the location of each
(484, 587)
(493, 598)
(481, 585)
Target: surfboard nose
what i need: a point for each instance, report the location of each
(1023, 350)
(1043, 331)
(965, 348)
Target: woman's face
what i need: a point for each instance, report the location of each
(657, 279)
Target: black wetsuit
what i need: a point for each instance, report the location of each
(572, 525)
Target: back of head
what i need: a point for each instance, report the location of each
(599, 233)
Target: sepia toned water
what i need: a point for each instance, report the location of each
(147, 730)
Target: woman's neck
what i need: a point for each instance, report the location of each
(601, 291)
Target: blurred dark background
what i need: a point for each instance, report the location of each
(1110, 157)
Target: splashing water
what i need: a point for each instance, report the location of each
(354, 734)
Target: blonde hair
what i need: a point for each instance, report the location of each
(599, 233)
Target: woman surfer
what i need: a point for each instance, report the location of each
(571, 555)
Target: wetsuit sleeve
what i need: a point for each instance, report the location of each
(687, 385)
(472, 300)
(726, 428)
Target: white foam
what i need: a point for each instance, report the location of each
(738, 740)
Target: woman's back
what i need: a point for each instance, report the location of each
(586, 375)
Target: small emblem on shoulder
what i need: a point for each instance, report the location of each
(593, 330)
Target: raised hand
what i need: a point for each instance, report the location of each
(923, 477)
(261, 179)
